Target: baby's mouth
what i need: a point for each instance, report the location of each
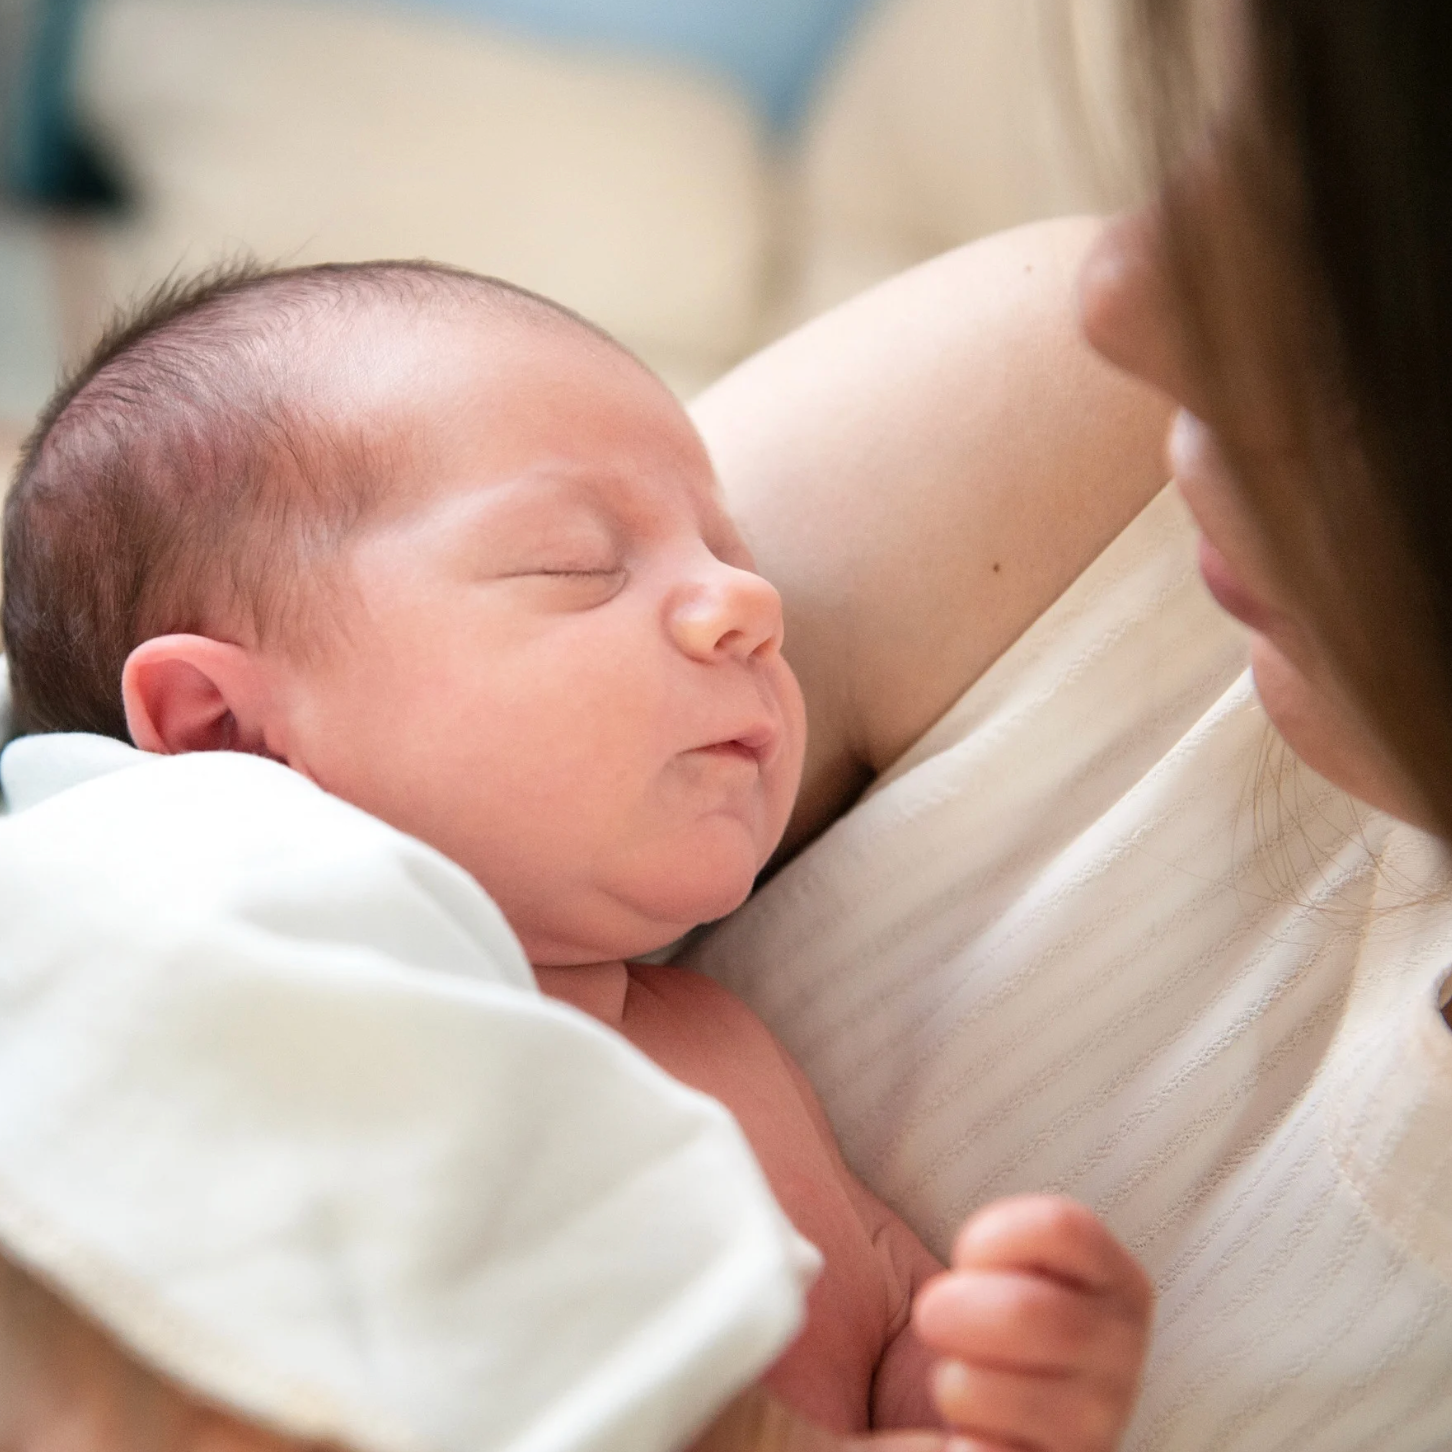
(738, 749)
(755, 745)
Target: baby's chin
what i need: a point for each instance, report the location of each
(639, 919)
(706, 887)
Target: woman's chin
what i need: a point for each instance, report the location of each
(1326, 733)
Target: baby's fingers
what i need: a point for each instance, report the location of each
(1011, 1410)
(1044, 1319)
(1052, 1236)
(1026, 1323)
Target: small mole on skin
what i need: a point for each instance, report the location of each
(996, 567)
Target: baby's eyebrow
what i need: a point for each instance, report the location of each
(496, 500)
(610, 498)
(530, 511)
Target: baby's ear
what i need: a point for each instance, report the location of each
(189, 693)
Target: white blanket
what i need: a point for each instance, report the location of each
(281, 1106)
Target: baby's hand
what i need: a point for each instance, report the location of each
(1043, 1320)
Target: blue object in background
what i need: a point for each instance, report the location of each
(45, 157)
(773, 50)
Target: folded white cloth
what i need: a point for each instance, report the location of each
(281, 1106)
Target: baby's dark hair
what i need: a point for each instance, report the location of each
(181, 471)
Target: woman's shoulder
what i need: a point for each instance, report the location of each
(921, 472)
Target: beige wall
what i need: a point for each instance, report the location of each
(647, 196)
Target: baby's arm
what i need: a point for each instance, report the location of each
(1043, 1323)
(902, 1386)
(1033, 1341)
(757, 1421)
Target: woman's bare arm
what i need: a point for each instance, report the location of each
(922, 472)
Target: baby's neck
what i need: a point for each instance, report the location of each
(594, 988)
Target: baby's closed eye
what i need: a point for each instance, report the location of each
(568, 586)
(570, 572)
(556, 558)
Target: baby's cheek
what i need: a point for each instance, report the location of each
(785, 776)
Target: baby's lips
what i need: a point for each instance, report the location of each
(760, 740)
(757, 742)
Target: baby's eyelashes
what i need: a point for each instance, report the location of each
(575, 574)
(570, 587)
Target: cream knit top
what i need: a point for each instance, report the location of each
(1099, 933)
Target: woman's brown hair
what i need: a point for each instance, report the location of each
(1319, 298)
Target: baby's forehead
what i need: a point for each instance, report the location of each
(404, 354)
(411, 362)
(534, 401)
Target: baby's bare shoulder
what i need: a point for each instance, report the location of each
(685, 986)
(670, 1004)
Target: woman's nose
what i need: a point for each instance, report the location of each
(1127, 304)
(726, 613)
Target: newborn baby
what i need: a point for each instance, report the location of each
(460, 559)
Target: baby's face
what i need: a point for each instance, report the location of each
(554, 660)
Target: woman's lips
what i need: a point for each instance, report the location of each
(1232, 597)
(1199, 468)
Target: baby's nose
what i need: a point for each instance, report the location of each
(727, 613)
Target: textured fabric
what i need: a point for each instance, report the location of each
(281, 1105)
(1098, 933)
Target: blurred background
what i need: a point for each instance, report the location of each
(695, 175)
